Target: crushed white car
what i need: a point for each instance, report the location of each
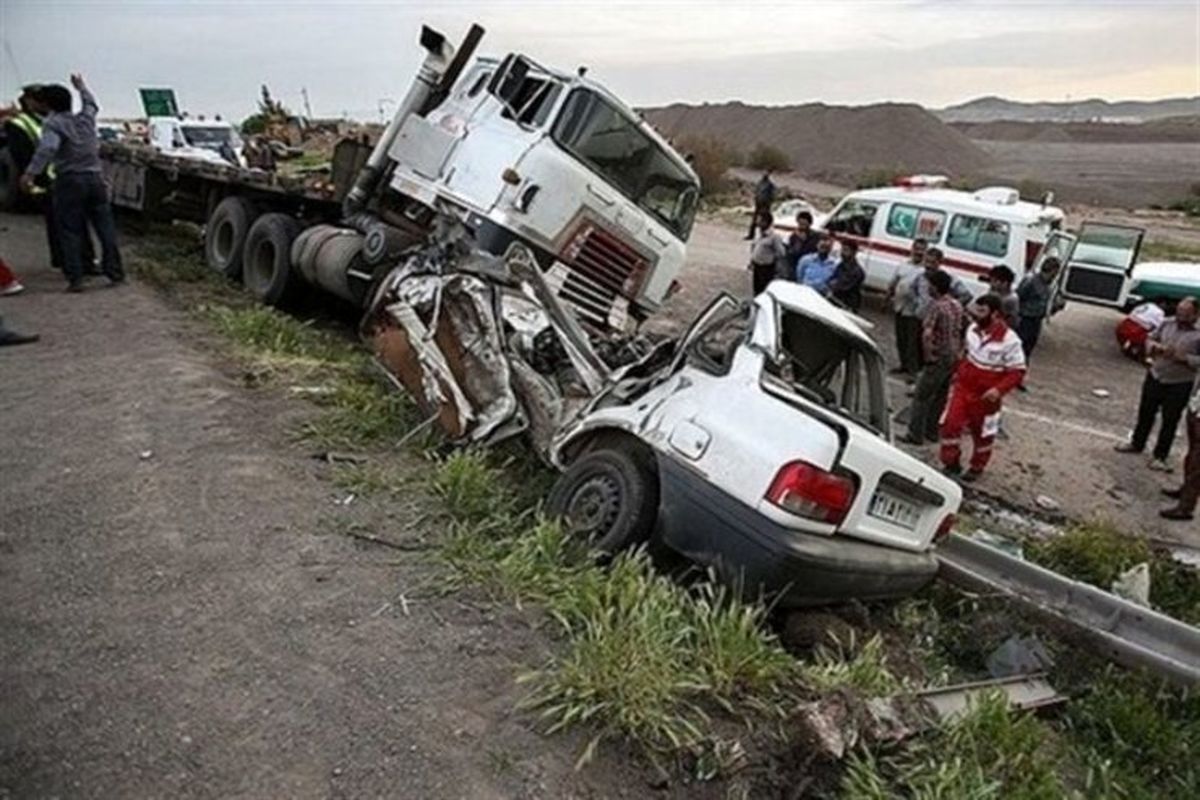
(757, 443)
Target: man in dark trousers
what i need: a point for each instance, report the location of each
(764, 196)
(71, 145)
(22, 132)
(941, 347)
(908, 324)
(1033, 306)
(1188, 492)
(1174, 350)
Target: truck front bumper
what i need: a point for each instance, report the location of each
(759, 556)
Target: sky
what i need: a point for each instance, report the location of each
(354, 57)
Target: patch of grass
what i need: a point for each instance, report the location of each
(1159, 250)
(865, 671)
(644, 658)
(1139, 738)
(172, 255)
(471, 487)
(1098, 554)
(372, 479)
(263, 332)
(989, 752)
(360, 412)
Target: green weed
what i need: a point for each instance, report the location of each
(471, 487)
(360, 412)
(989, 752)
(865, 671)
(1140, 739)
(1098, 554)
(372, 479)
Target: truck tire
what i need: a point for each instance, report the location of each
(267, 257)
(225, 235)
(608, 497)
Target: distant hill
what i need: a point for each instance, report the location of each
(831, 141)
(1167, 129)
(992, 109)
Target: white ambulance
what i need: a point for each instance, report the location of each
(975, 230)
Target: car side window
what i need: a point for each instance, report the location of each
(978, 235)
(911, 222)
(712, 351)
(854, 217)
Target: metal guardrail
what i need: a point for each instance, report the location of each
(1125, 632)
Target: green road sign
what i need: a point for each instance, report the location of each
(159, 102)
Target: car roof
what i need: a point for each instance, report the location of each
(807, 301)
(1022, 211)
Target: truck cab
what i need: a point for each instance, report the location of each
(213, 141)
(523, 153)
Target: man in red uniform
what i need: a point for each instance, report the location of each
(993, 364)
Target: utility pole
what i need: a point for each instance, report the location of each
(307, 108)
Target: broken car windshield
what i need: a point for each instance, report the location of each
(615, 146)
(832, 368)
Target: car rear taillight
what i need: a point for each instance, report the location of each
(812, 492)
(946, 526)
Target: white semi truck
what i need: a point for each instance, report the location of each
(515, 151)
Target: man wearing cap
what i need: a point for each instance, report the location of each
(993, 365)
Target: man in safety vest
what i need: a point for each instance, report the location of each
(22, 132)
(993, 364)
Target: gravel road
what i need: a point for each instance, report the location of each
(181, 612)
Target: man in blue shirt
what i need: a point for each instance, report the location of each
(816, 269)
(70, 143)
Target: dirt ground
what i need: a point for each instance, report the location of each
(182, 613)
(1060, 435)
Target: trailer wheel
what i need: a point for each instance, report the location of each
(607, 497)
(267, 257)
(225, 235)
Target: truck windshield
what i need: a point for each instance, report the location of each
(613, 145)
(834, 369)
(207, 137)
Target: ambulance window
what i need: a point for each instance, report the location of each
(978, 235)
(910, 222)
(853, 217)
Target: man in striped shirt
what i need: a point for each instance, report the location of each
(941, 346)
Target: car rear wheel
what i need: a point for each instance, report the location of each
(608, 498)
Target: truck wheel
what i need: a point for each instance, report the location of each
(267, 257)
(607, 497)
(225, 235)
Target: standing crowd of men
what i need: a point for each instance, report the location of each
(806, 257)
(58, 155)
(964, 355)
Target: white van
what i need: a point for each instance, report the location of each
(975, 230)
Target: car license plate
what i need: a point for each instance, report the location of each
(895, 510)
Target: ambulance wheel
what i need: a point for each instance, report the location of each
(225, 236)
(608, 498)
(267, 257)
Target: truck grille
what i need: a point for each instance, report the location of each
(600, 269)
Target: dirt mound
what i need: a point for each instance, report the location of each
(1170, 129)
(831, 141)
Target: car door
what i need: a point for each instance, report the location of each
(1059, 246)
(1101, 262)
